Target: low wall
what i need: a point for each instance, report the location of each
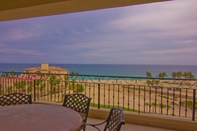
(165, 122)
(160, 121)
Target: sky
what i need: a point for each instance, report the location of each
(156, 33)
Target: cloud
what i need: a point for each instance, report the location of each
(173, 51)
(141, 34)
(17, 31)
(168, 18)
(22, 52)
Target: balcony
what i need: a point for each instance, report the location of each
(155, 102)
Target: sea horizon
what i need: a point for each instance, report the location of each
(133, 70)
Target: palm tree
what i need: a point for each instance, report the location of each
(185, 74)
(149, 83)
(190, 75)
(148, 75)
(179, 74)
(162, 75)
(66, 82)
(174, 75)
(156, 82)
(12, 73)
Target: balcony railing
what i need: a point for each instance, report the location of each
(162, 96)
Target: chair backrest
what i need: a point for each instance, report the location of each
(114, 120)
(15, 98)
(79, 103)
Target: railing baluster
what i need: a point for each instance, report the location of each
(99, 94)
(123, 99)
(104, 95)
(34, 90)
(118, 95)
(168, 106)
(128, 97)
(155, 103)
(149, 99)
(109, 95)
(180, 102)
(133, 97)
(161, 100)
(173, 97)
(144, 99)
(194, 105)
(138, 99)
(186, 106)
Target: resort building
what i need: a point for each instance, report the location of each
(45, 68)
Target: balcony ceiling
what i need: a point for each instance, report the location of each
(19, 9)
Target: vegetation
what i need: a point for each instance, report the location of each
(162, 75)
(148, 75)
(49, 81)
(174, 75)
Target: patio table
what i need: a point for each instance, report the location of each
(39, 117)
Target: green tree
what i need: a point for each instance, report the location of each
(147, 106)
(9, 89)
(21, 84)
(12, 73)
(161, 106)
(29, 88)
(78, 88)
(66, 82)
(174, 75)
(154, 105)
(188, 75)
(179, 74)
(148, 75)
(162, 75)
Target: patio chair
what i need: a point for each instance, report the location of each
(15, 98)
(113, 122)
(79, 103)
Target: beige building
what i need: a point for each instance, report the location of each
(45, 68)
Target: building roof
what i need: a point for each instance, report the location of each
(19, 9)
(51, 68)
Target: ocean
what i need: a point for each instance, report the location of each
(108, 69)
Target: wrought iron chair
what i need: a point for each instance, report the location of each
(79, 103)
(113, 122)
(15, 98)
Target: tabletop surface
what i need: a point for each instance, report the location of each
(38, 117)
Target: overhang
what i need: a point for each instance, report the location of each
(19, 9)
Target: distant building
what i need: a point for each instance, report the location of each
(45, 68)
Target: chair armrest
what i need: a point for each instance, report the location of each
(95, 125)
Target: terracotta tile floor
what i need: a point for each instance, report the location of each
(126, 127)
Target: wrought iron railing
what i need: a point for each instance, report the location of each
(164, 96)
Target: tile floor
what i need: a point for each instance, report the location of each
(126, 127)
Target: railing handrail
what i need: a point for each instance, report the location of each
(113, 76)
(127, 92)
